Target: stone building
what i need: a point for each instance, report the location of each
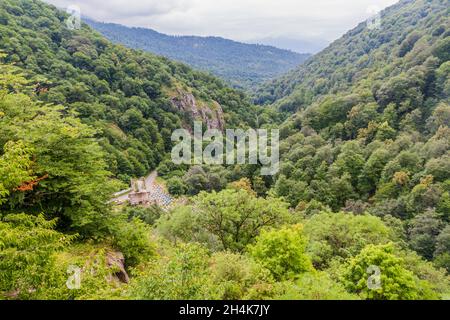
(139, 194)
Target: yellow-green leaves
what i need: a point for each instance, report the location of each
(282, 252)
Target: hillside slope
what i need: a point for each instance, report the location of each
(407, 34)
(371, 131)
(134, 99)
(243, 65)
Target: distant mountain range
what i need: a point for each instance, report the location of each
(297, 45)
(243, 65)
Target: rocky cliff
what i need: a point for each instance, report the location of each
(211, 114)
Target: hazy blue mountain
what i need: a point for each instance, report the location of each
(296, 45)
(243, 65)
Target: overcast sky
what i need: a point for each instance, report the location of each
(294, 24)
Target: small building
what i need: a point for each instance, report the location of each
(139, 194)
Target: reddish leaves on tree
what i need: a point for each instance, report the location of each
(29, 185)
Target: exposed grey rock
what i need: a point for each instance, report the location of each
(116, 260)
(211, 116)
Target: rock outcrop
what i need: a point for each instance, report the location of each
(116, 260)
(211, 115)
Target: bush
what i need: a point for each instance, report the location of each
(132, 238)
(180, 275)
(149, 215)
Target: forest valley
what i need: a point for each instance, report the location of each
(364, 175)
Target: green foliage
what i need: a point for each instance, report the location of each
(183, 224)
(423, 232)
(282, 252)
(343, 235)
(397, 282)
(436, 279)
(132, 238)
(236, 217)
(180, 275)
(199, 179)
(369, 135)
(126, 95)
(366, 57)
(176, 186)
(307, 209)
(98, 274)
(228, 220)
(442, 252)
(370, 120)
(313, 286)
(67, 177)
(15, 166)
(27, 262)
(237, 274)
(149, 215)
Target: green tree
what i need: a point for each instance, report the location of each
(396, 281)
(282, 252)
(132, 238)
(176, 186)
(343, 235)
(149, 215)
(236, 217)
(15, 168)
(423, 232)
(442, 252)
(293, 191)
(27, 263)
(67, 177)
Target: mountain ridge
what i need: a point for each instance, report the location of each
(360, 49)
(241, 64)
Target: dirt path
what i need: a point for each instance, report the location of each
(150, 180)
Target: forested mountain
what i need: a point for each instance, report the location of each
(365, 56)
(373, 92)
(370, 129)
(133, 99)
(243, 65)
(364, 183)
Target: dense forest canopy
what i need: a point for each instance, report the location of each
(364, 181)
(242, 65)
(125, 94)
(372, 131)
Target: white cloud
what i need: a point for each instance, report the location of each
(242, 20)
